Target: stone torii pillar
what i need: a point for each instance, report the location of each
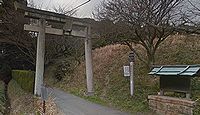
(40, 57)
(88, 61)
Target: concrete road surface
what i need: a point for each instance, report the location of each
(73, 105)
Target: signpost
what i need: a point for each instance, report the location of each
(131, 59)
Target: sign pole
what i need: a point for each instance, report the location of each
(131, 79)
(132, 59)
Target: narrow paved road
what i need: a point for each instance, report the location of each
(73, 105)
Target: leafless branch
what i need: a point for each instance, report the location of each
(150, 22)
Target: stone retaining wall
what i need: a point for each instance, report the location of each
(164, 105)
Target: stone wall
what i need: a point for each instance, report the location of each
(164, 105)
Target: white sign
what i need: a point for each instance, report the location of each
(126, 71)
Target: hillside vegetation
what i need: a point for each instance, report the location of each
(112, 89)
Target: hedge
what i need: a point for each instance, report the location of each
(25, 79)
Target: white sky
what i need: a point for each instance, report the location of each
(83, 12)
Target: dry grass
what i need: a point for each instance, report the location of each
(51, 107)
(179, 49)
(103, 60)
(23, 103)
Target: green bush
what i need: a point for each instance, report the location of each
(25, 79)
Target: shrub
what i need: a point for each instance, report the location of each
(65, 67)
(25, 79)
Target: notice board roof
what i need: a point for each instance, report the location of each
(176, 70)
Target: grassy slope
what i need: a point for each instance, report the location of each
(112, 89)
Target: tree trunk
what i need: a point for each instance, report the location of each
(151, 60)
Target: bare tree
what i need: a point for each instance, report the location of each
(12, 32)
(195, 7)
(144, 22)
(190, 15)
(64, 9)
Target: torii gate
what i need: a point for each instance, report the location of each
(72, 26)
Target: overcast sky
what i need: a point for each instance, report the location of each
(84, 11)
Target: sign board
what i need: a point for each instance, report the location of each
(126, 71)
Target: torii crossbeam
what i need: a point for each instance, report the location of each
(71, 26)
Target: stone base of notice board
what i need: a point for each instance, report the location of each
(164, 105)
